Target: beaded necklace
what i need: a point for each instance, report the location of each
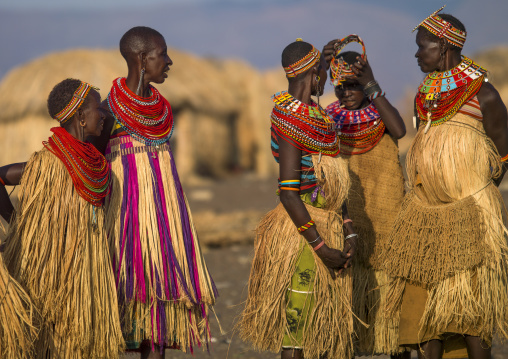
(308, 127)
(87, 166)
(442, 94)
(148, 120)
(361, 129)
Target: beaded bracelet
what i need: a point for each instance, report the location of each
(505, 158)
(319, 246)
(306, 226)
(289, 185)
(375, 95)
(2, 181)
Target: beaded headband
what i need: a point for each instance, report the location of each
(340, 69)
(77, 100)
(442, 28)
(304, 64)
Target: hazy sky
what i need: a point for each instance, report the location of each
(255, 31)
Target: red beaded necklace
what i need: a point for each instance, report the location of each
(147, 119)
(87, 167)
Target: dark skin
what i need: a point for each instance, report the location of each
(437, 55)
(350, 94)
(87, 121)
(302, 88)
(156, 62)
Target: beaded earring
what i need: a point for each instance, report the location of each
(141, 78)
(317, 87)
(82, 125)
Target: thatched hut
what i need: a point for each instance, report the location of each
(221, 108)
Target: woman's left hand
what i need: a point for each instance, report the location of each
(363, 71)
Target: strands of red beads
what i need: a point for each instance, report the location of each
(148, 120)
(87, 167)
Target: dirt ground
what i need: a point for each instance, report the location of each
(230, 263)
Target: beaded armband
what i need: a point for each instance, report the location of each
(505, 158)
(289, 185)
(306, 226)
(375, 95)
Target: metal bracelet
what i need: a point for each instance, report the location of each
(372, 90)
(315, 240)
(351, 236)
(370, 84)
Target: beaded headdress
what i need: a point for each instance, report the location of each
(340, 70)
(303, 64)
(77, 100)
(442, 28)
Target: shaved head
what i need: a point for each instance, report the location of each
(294, 52)
(136, 40)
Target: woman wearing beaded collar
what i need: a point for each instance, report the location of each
(164, 289)
(305, 239)
(368, 128)
(447, 251)
(56, 245)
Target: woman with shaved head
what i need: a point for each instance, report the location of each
(299, 288)
(164, 288)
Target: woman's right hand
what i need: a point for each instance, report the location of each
(332, 258)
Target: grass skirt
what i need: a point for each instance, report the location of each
(329, 323)
(375, 197)
(450, 236)
(164, 287)
(64, 265)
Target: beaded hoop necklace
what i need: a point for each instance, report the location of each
(308, 127)
(442, 94)
(360, 129)
(87, 166)
(148, 120)
(340, 70)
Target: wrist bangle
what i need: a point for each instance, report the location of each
(375, 95)
(370, 84)
(351, 236)
(372, 90)
(349, 220)
(306, 226)
(315, 240)
(319, 246)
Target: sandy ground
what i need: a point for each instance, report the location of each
(230, 263)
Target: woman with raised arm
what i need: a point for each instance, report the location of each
(164, 289)
(299, 288)
(368, 128)
(56, 246)
(448, 248)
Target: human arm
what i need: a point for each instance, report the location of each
(495, 121)
(289, 167)
(391, 117)
(10, 175)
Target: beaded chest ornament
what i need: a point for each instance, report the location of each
(340, 69)
(147, 119)
(442, 94)
(308, 127)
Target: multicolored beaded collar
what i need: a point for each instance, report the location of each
(442, 28)
(359, 129)
(308, 127)
(304, 64)
(148, 120)
(87, 167)
(441, 94)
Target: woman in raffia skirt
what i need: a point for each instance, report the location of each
(448, 247)
(368, 127)
(56, 246)
(296, 301)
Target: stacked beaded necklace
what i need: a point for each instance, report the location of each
(307, 126)
(442, 94)
(148, 120)
(360, 129)
(87, 166)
